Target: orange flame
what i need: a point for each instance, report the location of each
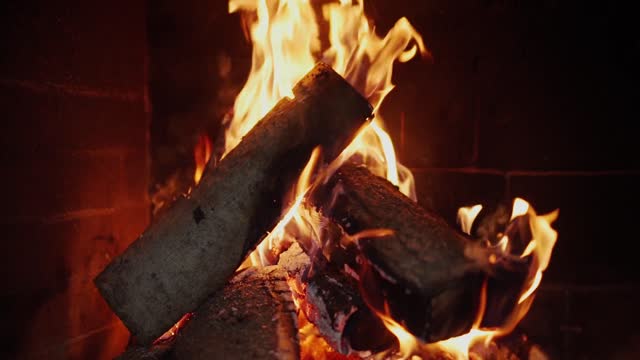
(201, 155)
(171, 333)
(466, 217)
(541, 244)
(540, 248)
(286, 45)
(287, 42)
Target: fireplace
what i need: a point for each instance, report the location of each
(75, 139)
(106, 106)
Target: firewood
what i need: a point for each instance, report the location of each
(155, 352)
(252, 317)
(426, 275)
(330, 299)
(506, 285)
(194, 247)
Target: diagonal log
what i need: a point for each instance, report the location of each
(195, 246)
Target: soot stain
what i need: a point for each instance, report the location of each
(198, 215)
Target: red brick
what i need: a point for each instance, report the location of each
(43, 120)
(47, 256)
(446, 191)
(52, 268)
(584, 322)
(437, 108)
(51, 186)
(595, 226)
(545, 321)
(99, 45)
(604, 323)
(135, 177)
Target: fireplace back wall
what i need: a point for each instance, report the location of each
(522, 98)
(75, 155)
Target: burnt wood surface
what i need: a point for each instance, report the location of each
(252, 317)
(155, 352)
(330, 299)
(426, 274)
(195, 246)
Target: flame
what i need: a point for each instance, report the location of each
(503, 244)
(287, 42)
(297, 220)
(540, 248)
(466, 217)
(407, 343)
(170, 334)
(520, 207)
(201, 155)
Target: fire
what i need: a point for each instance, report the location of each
(286, 45)
(466, 216)
(407, 343)
(201, 155)
(520, 207)
(287, 42)
(540, 247)
(170, 334)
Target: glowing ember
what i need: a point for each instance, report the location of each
(169, 335)
(201, 155)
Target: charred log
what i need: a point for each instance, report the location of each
(427, 275)
(330, 299)
(253, 317)
(194, 248)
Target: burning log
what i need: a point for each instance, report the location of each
(156, 352)
(195, 246)
(253, 317)
(330, 299)
(426, 275)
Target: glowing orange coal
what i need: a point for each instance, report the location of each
(201, 155)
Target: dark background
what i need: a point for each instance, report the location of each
(536, 99)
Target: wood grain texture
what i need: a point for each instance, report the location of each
(252, 317)
(195, 246)
(426, 272)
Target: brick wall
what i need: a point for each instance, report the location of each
(74, 149)
(198, 62)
